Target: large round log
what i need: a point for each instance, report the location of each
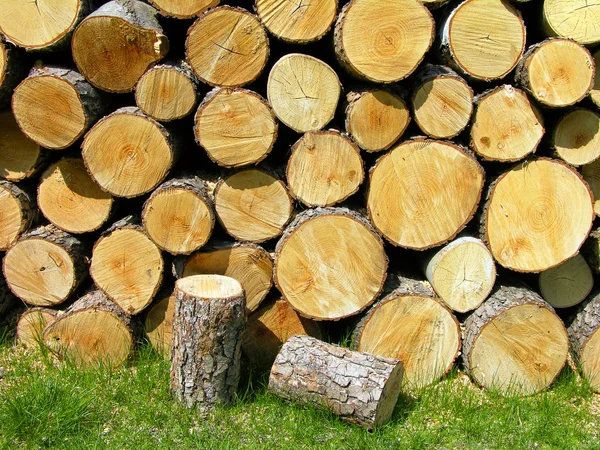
(537, 215)
(359, 387)
(410, 323)
(209, 318)
(383, 42)
(159, 324)
(575, 19)
(330, 263)
(514, 343)
(117, 43)
(17, 213)
(31, 326)
(576, 138)
(183, 10)
(567, 284)
(585, 340)
(423, 192)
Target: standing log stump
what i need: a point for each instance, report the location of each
(210, 315)
(359, 387)
(568, 283)
(31, 325)
(17, 213)
(514, 343)
(585, 339)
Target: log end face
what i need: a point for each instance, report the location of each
(32, 324)
(209, 287)
(389, 395)
(19, 155)
(567, 284)
(577, 137)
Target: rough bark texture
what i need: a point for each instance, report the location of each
(584, 324)
(359, 387)
(14, 71)
(29, 213)
(591, 250)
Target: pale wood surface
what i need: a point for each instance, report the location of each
(183, 9)
(568, 283)
(576, 138)
(20, 157)
(17, 213)
(575, 19)
(31, 326)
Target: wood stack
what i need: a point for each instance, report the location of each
(284, 147)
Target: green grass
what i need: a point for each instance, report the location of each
(44, 404)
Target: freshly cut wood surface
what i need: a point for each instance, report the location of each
(93, 331)
(227, 46)
(41, 24)
(127, 266)
(595, 92)
(45, 266)
(17, 213)
(538, 215)
(330, 263)
(359, 387)
(183, 9)
(117, 43)
(236, 127)
(410, 324)
(423, 192)
(167, 91)
(575, 19)
(269, 328)
(576, 138)
(159, 325)
(568, 283)
(249, 264)
(585, 340)
(303, 92)
(128, 153)
(556, 72)
(483, 39)
(325, 168)
(179, 215)
(591, 175)
(442, 102)
(383, 42)
(69, 198)
(20, 157)
(210, 317)
(514, 343)
(31, 326)
(252, 205)
(462, 273)
(299, 21)
(376, 118)
(507, 126)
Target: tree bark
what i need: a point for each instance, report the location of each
(18, 213)
(585, 340)
(13, 68)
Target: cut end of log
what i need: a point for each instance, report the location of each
(16, 214)
(31, 326)
(303, 91)
(568, 283)
(224, 38)
(577, 137)
(591, 175)
(183, 10)
(208, 287)
(589, 361)
(3, 61)
(159, 325)
(19, 155)
(575, 19)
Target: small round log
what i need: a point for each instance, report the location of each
(567, 284)
(31, 325)
(575, 19)
(183, 10)
(17, 213)
(585, 339)
(595, 92)
(159, 324)
(591, 175)
(209, 319)
(576, 138)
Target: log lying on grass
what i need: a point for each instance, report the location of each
(31, 325)
(17, 213)
(359, 387)
(585, 339)
(567, 284)
(210, 315)
(514, 343)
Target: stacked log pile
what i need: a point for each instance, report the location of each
(422, 175)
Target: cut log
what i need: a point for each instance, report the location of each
(247, 263)
(409, 323)
(209, 319)
(269, 328)
(179, 215)
(93, 331)
(117, 43)
(591, 175)
(434, 4)
(41, 26)
(556, 72)
(183, 10)
(54, 106)
(159, 324)
(20, 157)
(514, 343)
(324, 168)
(45, 266)
(507, 126)
(585, 340)
(383, 42)
(7, 298)
(297, 22)
(252, 205)
(303, 92)
(128, 153)
(69, 198)
(227, 46)
(483, 39)
(576, 138)
(575, 19)
(127, 266)
(167, 91)
(442, 102)
(595, 92)
(376, 118)
(330, 263)
(424, 192)
(537, 215)
(17, 213)
(236, 127)
(567, 284)
(359, 387)
(591, 250)
(462, 273)
(13, 69)
(31, 326)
